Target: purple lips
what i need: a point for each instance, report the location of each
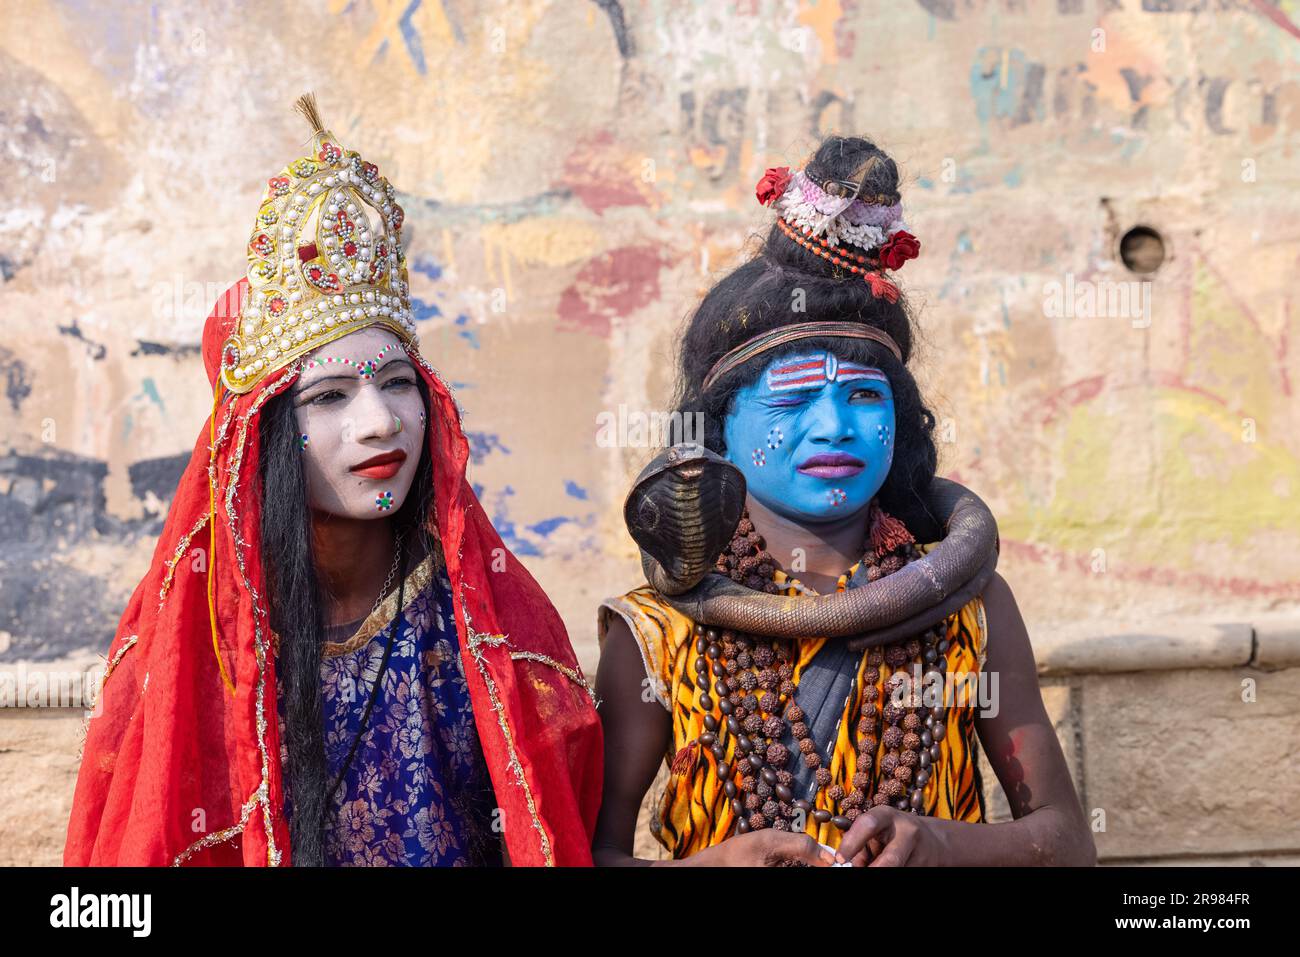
(832, 465)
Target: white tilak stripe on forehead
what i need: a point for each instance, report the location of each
(861, 372)
(815, 370)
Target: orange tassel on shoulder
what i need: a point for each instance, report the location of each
(886, 533)
(685, 760)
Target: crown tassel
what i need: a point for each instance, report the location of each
(305, 105)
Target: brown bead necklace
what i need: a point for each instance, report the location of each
(752, 679)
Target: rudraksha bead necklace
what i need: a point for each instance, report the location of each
(752, 679)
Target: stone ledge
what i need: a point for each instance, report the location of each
(1277, 642)
(1264, 858)
(39, 680)
(1191, 763)
(1151, 646)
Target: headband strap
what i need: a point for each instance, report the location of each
(801, 330)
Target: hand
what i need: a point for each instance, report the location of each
(887, 837)
(765, 848)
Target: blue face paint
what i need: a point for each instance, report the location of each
(814, 436)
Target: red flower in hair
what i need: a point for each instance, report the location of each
(901, 247)
(773, 184)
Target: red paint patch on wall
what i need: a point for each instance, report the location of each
(615, 283)
(1075, 393)
(598, 174)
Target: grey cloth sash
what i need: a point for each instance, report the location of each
(824, 689)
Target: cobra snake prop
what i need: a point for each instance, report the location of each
(685, 505)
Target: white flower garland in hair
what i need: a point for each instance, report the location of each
(829, 221)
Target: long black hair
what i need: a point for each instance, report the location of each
(296, 600)
(783, 284)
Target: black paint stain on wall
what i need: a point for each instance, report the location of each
(158, 477)
(183, 351)
(51, 505)
(618, 22)
(96, 350)
(17, 378)
(8, 268)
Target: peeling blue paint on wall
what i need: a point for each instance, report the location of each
(468, 335)
(426, 266)
(483, 443)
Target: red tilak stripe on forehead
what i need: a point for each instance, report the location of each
(809, 380)
(780, 370)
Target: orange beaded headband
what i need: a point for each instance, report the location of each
(881, 287)
(801, 330)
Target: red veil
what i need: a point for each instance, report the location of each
(177, 770)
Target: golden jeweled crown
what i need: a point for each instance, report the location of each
(325, 259)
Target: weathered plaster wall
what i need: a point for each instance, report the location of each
(576, 173)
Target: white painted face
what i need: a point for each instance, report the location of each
(360, 424)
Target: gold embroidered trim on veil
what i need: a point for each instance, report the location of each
(378, 619)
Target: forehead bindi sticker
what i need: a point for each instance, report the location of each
(814, 371)
(364, 369)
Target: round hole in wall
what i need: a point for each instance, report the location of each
(1142, 250)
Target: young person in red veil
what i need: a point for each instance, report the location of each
(333, 659)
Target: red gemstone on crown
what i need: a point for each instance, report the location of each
(278, 305)
(317, 276)
(261, 245)
(279, 185)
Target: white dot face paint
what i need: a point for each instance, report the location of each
(814, 436)
(361, 424)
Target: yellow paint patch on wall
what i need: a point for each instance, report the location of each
(1206, 485)
(1130, 42)
(544, 242)
(1229, 355)
(821, 16)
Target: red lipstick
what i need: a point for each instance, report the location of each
(383, 466)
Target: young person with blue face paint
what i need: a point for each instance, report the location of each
(820, 700)
(820, 435)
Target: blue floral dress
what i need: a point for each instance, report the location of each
(417, 792)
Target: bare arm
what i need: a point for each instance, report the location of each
(1022, 747)
(637, 734)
